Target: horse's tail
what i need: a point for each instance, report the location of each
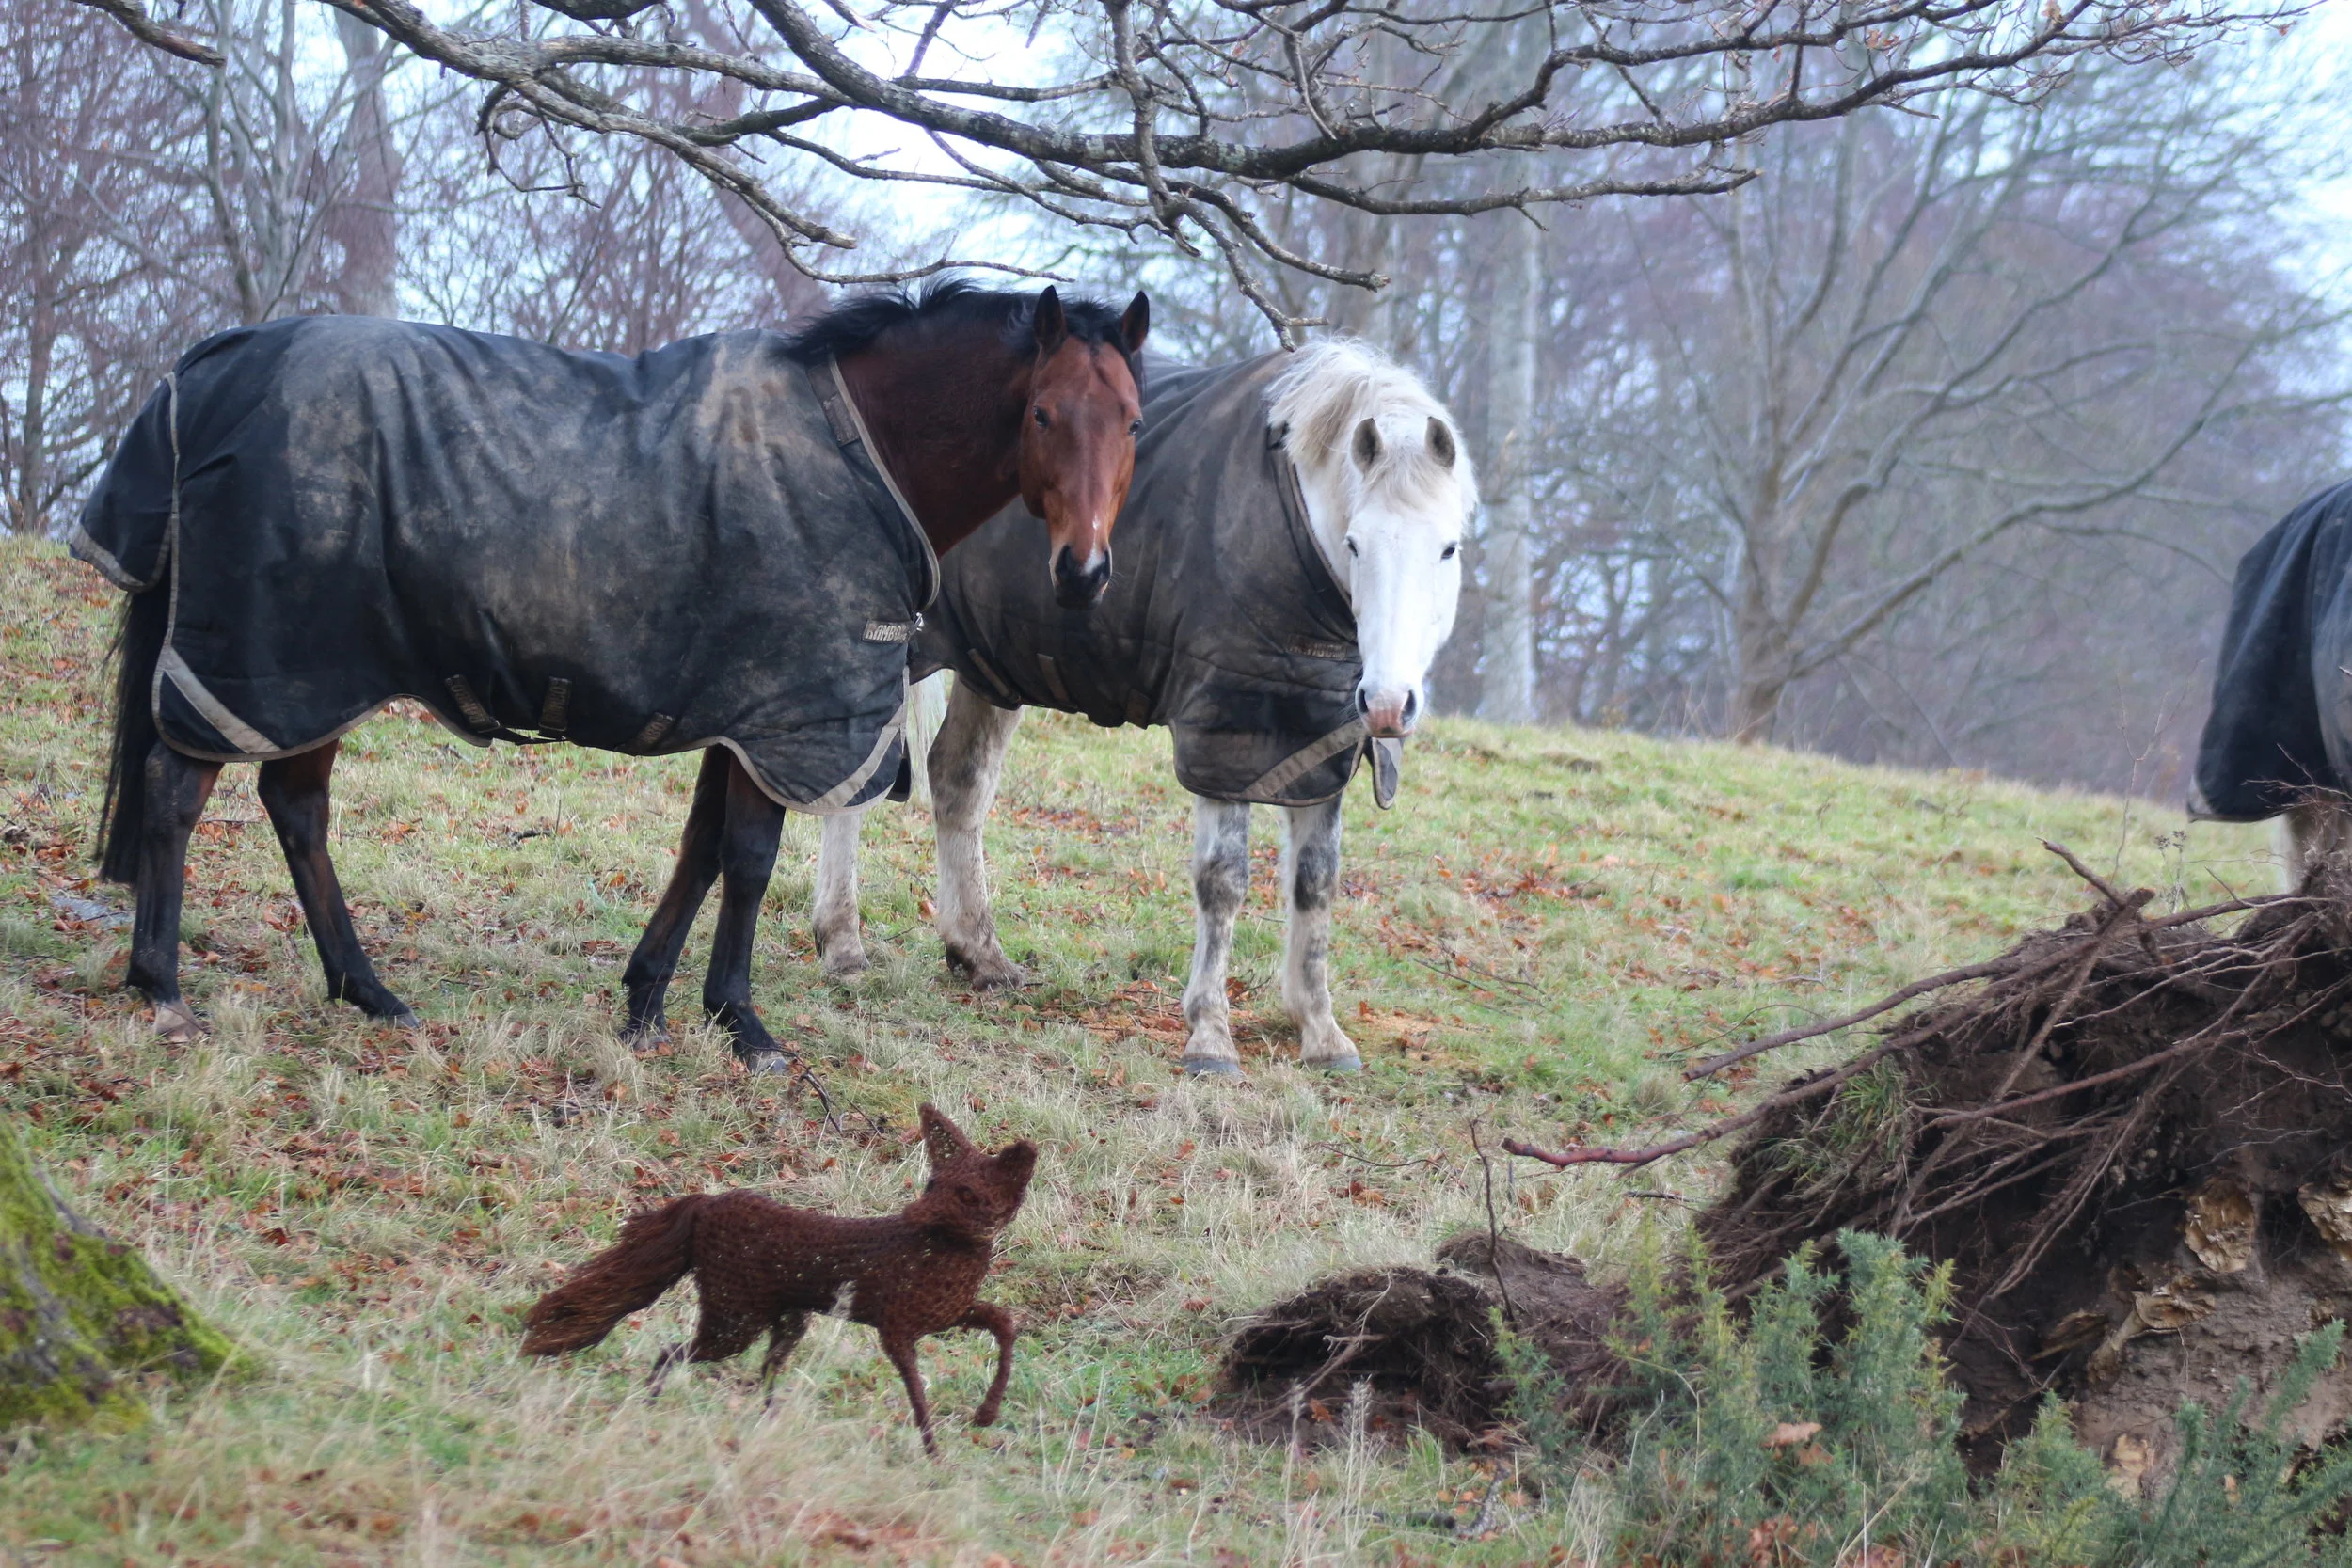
(656, 1251)
(146, 621)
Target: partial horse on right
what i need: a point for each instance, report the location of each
(2278, 743)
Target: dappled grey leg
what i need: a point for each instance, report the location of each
(2311, 833)
(839, 942)
(1311, 878)
(965, 764)
(1220, 881)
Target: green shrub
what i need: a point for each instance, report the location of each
(1771, 1441)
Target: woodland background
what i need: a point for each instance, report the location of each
(1933, 445)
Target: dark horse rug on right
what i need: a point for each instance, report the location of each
(2282, 721)
(655, 554)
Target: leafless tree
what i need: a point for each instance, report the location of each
(1914, 338)
(87, 316)
(1192, 119)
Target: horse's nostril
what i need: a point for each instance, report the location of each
(1412, 705)
(1363, 703)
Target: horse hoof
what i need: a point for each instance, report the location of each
(1212, 1067)
(404, 1018)
(846, 967)
(1349, 1063)
(767, 1061)
(175, 1025)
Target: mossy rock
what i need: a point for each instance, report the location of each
(82, 1317)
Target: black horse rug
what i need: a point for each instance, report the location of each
(2281, 719)
(1222, 620)
(691, 548)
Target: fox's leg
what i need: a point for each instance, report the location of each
(661, 1364)
(905, 1352)
(783, 1335)
(1000, 1322)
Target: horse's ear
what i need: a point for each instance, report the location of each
(942, 1140)
(1051, 325)
(1440, 441)
(1367, 444)
(1137, 323)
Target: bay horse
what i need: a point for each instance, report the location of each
(1385, 491)
(722, 544)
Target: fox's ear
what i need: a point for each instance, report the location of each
(1018, 1160)
(942, 1140)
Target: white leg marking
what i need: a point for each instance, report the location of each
(1311, 879)
(1220, 881)
(839, 941)
(965, 764)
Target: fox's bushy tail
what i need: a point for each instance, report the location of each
(146, 621)
(655, 1251)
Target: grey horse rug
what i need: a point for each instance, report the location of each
(687, 548)
(2281, 718)
(1222, 620)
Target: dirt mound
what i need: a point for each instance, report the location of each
(1423, 1339)
(2131, 1140)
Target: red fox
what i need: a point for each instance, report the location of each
(761, 1265)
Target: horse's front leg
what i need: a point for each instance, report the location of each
(650, 967)
(1220, 881)
(839, 944)
(177, 788)
(966, 761)
(747, 857)
(1311, 878)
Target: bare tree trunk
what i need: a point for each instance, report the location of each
(366, 220)
(1513, 293)
(80, 1313)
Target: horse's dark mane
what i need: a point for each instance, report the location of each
(855, 323)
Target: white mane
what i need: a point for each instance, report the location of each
(1331, 386)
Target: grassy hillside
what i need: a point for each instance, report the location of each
(1543, 931)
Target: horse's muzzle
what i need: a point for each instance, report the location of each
(1078, 584)
(1388, 714)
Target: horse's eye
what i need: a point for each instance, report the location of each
(1447, 554)
(1352, 548)
(1134, 427)
(1039, 414)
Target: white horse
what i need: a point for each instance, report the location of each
(1388, 493)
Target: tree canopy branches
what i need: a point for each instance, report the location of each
(1193, 120)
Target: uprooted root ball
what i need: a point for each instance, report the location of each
(2133, 1142)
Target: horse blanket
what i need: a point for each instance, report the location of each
(1222, 620)
(687, 548)
(2281, 718)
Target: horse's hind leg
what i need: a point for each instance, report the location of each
(747, 857)
(176, 789)
(1220, 881)
(651, 966)
(2309, 832)
(834, 919)
(295, 792)
(1311, 876)
(965, 763)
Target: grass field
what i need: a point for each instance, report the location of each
(1546, 928)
